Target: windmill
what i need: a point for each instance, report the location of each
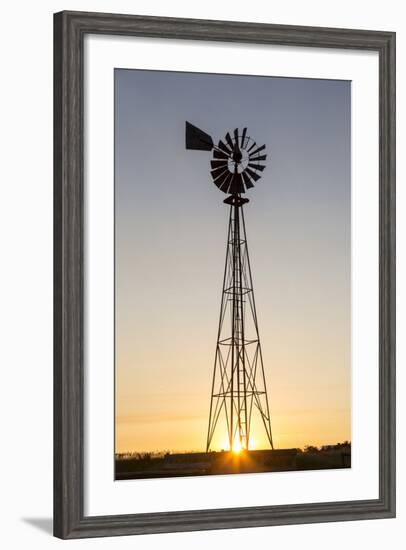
(238, 387)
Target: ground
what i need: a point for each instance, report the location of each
(148, 465)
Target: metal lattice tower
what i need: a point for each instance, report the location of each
(238, 386)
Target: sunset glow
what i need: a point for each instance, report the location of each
(170, 238)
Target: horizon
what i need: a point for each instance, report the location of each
(195, 451)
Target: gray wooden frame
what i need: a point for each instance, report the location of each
(69, 31)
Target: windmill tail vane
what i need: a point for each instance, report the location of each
(239, 390)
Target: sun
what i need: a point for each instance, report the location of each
(237, 447)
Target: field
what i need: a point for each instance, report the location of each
(150, 465)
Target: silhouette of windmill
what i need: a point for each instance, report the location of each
(238, 387)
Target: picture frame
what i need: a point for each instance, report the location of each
(70, 28)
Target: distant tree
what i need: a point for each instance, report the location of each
(311, 449)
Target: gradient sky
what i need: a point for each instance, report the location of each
(171, 228)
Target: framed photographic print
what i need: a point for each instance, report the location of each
(224, 274)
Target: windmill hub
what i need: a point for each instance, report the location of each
(237, 155)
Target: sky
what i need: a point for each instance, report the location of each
(170, 243)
